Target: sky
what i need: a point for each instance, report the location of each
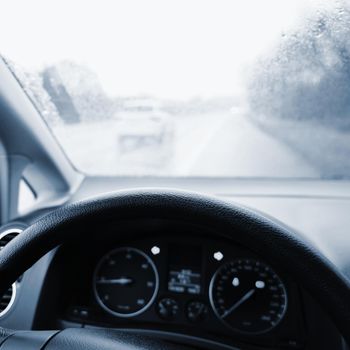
(172, 49)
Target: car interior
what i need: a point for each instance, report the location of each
(106, 246)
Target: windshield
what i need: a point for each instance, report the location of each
(251, 88)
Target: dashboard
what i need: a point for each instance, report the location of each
(189, 265)
(185, 282)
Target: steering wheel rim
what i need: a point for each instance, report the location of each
(269, 237)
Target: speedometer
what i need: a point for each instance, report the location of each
(248, 296)
(125, 282)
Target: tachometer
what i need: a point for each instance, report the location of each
(248, 296)
(125, 282)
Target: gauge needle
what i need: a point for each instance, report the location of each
(200, 310)
(122, 281)
(238, 303)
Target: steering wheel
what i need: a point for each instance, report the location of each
(270, 238)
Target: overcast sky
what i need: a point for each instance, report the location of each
(175, 49)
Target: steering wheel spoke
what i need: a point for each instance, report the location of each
(82, 339)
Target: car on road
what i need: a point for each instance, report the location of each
(141, 124)
(144, 134)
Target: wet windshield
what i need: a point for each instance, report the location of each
(251, 88)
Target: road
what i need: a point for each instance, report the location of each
(233, 145)
(205, 145)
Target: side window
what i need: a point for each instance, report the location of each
(26, 197)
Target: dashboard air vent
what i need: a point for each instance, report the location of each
(7, 299)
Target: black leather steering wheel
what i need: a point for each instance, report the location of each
(268, 237)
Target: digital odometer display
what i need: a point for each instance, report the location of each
(184, 281)
(248, 296)
(125, 282)
(185, 265)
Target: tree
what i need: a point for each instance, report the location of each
(59, 95)
(307, 76)
(32, 84)
(77, 92)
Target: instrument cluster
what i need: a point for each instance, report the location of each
(245, 294)
(188, 284)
